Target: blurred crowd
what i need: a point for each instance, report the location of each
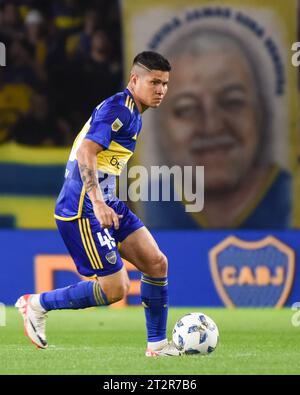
(63, 57)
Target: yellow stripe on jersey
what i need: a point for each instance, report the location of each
(93, 243)
(79, 138)
(83, 238)
(132, 105)
(84, 130)
(81, 201)
(129, 103)
(113, 159)
(79, 213)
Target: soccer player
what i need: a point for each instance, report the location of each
(93, 221)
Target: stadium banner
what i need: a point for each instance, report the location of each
(206, 268)
(30, 181)
(206, 41)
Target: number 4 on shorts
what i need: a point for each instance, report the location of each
(106, 240)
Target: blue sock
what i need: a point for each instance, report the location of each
(77, 296)
(154, 293)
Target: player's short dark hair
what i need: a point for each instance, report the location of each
(152, 60)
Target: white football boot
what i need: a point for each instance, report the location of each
(169, 350)
(34, 317)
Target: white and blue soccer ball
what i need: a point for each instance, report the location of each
(196, 333)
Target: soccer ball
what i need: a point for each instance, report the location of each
(195, 333)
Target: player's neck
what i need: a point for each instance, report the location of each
(141, 107)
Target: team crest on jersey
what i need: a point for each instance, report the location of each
(111, 257)
(116, 125)
(252, 273)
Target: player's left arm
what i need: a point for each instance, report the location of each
(105, 119)
(87, 163)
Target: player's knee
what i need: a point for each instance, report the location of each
(120, 292)
(160, 266)
(116, 293)
(164, 265)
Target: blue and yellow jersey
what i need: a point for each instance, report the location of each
(114, 124)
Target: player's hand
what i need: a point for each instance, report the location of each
(106, 215)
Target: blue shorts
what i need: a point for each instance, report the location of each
(94, 249)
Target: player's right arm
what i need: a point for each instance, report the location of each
(87, 163)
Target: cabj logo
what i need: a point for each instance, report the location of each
(252, 273)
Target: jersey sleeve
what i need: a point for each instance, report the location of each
(107, 120)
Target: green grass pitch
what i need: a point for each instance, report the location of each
(110, 341)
